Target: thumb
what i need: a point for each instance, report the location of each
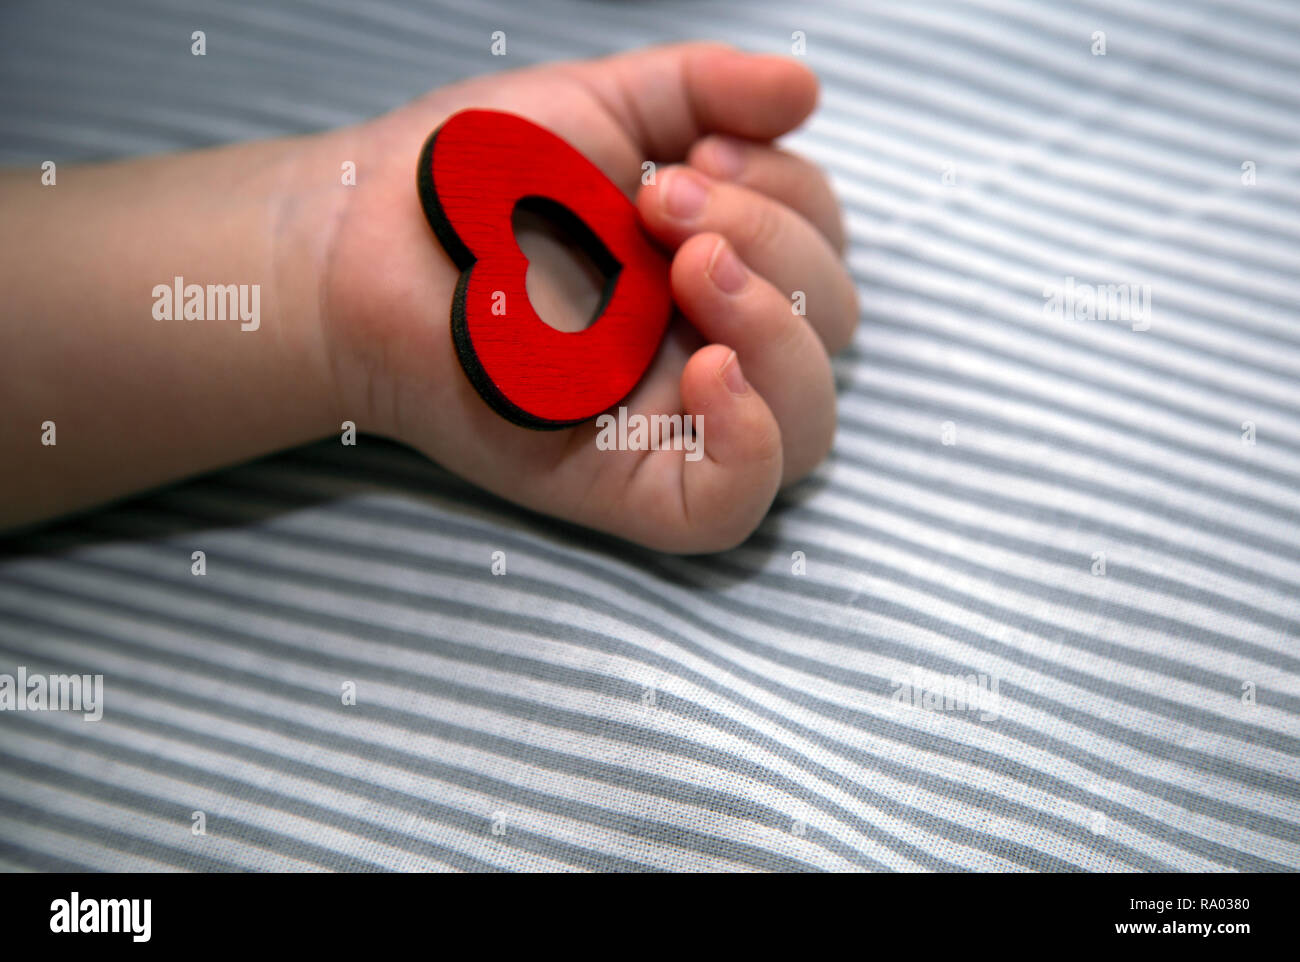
(666, 98)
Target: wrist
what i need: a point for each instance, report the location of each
(310, 200)
(385, 286)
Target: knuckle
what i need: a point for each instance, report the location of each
(818, 199)
(764, 224)
(814, 447)
(811, 174)
(729, 530)
(852, 314)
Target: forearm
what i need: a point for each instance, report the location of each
(136, 399)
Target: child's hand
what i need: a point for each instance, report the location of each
(748, 226)
(108, 387)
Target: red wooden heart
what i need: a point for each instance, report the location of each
(474, 170)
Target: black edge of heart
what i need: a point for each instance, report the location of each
(464, 259)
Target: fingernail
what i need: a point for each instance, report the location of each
(686, 194)
(732, 377)
(726, 157)
(725, 269)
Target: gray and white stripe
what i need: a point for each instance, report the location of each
(603, 707)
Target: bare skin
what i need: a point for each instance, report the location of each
(356, 294)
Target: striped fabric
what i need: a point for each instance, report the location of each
(1093, 520)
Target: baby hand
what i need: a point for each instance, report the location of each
(763, 295)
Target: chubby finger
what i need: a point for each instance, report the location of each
(771, 238)
(784, 359)
(712, 498)
(798, 183)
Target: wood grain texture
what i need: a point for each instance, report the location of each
(473, 171)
